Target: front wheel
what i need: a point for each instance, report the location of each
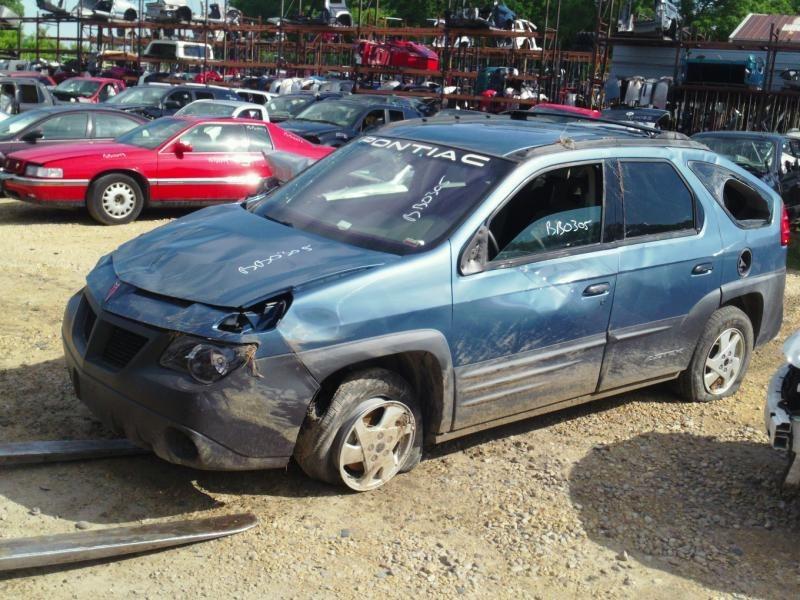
(115, 199)
(721, 357)
(370, 432)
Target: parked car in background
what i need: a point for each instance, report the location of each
(285, 326)
(88, 89)
(748, 72)
(169, 10)
(63, 124)
(336, 122)
(651, 117)
(20, 94)
(224, 108)
(782, 410)
(171, 161)
(771, 157)
(155, 100)
(566, 110)
(289, 106)
(171, 50)
(254, 96)
(665, 20)
(42, 78)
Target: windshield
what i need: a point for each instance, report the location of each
(384, 194)
(335, 113)
(78, 87)
(210, 109)
(751, 153)
(139, 95)
(288, 105)
(151, 135)
(17, 123)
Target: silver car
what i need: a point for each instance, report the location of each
(782, 410)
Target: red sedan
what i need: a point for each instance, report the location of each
(170, 161)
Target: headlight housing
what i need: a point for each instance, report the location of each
(206, 361)
(44, 172)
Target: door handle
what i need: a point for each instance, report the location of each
(597, 289)
(702, 269)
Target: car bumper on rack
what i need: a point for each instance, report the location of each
(241, 422)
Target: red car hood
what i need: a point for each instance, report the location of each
(103, 150)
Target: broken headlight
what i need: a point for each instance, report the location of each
(205, 361)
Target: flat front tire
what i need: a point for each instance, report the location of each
(721, 357)
(115, 199)
(370, 432)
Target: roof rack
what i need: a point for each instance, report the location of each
(524, 115)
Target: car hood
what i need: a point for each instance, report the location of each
(303, 128)
(103, 150)
(228, 257)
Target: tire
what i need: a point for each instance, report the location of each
(381, 405)
(130, 15)
(115, 199)
(697, 382)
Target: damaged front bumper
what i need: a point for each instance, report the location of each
(783, 424)
(241, 422)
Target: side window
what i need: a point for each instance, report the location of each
(559, 209)
(395, 115)
(182, 98)
(375, 118)
(112, 126)
(746, 206)
(216, 138)
(204, 95)
(28, 94)
(107, 92)
(655, 199)
(259, 138)
(65, 127)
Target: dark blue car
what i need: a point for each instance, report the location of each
(425, 282)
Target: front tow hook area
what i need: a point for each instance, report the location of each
(782, 420)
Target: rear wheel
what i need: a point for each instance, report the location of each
(115, 199)
(130, 15)
(721, 357)
(371, 431)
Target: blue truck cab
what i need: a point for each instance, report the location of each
(429, 280)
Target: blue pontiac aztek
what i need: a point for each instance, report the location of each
(435, 278)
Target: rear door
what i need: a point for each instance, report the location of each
(108, 126)
(530, 329)
(65, 128)
(220, 166)
(669, 275)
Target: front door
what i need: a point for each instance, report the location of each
(529, 330)
(220, 166)
(669, 276)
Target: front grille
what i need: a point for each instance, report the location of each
(88, 322)
(122, 346)
(14, 166)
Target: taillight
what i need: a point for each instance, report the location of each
(786, 231)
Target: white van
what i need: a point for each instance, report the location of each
(169, 50)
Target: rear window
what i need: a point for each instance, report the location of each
(746, 206)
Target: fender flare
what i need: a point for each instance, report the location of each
(323, 362)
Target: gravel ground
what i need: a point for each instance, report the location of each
(638, 495)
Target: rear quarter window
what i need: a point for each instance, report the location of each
(746, 206)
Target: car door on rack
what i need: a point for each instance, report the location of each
(529, 329)
(669, 275)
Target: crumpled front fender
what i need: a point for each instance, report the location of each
(791, 349)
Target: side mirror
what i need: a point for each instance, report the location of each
(476, 254)
(180, 148)
(32, 136)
